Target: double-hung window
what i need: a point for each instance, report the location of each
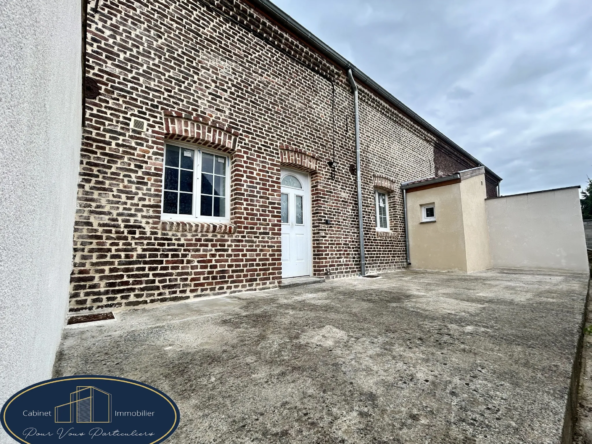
(382, 213)
(196, 184)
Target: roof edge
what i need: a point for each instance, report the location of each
(536, 192)
(416, 184)
(292, 25)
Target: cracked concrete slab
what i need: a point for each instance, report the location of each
(414, 357)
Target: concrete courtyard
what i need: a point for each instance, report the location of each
(412, 357)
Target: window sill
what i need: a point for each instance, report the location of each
(387, 234)
(428, 222)
(198, 227)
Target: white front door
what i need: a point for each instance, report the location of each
(296, 222)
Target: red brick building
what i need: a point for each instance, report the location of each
(219, 155)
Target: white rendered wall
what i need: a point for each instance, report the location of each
(438, 245)
(473, 194)
(40, 134)
(538, 230)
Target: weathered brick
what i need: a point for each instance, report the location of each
(228, 90)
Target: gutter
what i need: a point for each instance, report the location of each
(354, 87)
(292, 25)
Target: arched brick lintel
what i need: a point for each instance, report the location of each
(195, 131)
(293, 157)
(385, 183)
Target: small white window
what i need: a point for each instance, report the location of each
(382, 213)
(196, 184)
(428, 213)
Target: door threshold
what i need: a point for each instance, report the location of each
(298, 281)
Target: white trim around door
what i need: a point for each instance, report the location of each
(296, 224)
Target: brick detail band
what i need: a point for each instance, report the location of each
(197, 227)
(297, 158)
(385, 183)
(193, 129)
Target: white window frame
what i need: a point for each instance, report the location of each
(376, 205)
(424, 207)
(196, 204)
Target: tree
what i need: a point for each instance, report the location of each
(586, 201)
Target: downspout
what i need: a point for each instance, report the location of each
(406, 227)
(354, 87)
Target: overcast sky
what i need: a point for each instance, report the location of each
(510, 81)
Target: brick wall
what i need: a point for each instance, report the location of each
(399, 151)
(269, 101)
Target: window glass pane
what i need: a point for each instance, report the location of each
(291, 181)
(219, 208)
(381, 200)
(171, 179)
(285, 209)
(170, 203)
(206, 205)
(299, 215)
(430, 212)
(207, 161)
(207, 184)
(220, 165)
(187, 159)
(186, 181)
(172, 156)
(219, 186)
(185, 203)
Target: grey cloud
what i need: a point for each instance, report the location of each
(459, 93)
(578, 140)
(529, 67)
